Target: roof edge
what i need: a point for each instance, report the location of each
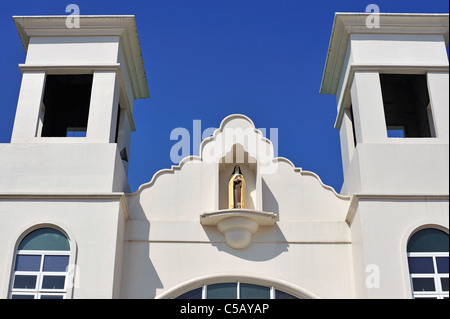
(123, 26)
(346, 23)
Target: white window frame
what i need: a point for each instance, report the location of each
(438, 293)
(38, 291)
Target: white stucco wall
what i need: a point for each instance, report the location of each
(380, 231)
(94, 228)
(63, 50)
(166, 246)
(399, 168)
(61, 167)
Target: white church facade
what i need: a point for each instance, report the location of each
(236, 221)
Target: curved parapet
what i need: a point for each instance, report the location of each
(199, 184)
(237, 129)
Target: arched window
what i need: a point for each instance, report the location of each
(428, 264)
(235, 290)
(41, 266)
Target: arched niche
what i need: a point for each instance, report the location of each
(238, 156)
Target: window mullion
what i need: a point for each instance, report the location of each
(435, 264)
(204, 292)
(238, 287)
(42, 261)
(272, 292)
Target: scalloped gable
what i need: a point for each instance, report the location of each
(237, 129)
(192, 187)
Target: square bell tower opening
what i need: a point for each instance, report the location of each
(406, 103)
(65, 108)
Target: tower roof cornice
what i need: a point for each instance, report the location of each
(123, 26)
(346, 24)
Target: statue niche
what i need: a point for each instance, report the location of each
(236, 189)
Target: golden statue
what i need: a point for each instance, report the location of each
(236, 189)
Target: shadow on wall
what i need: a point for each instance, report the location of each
(139, 276)
(267, 243)
(269, 202)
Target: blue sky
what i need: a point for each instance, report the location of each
(206, 59)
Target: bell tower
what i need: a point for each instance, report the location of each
(391, 85)
(74, 114)
(392, 88)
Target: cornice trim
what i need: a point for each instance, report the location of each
(123, 26)
(390, 23)
(356, 198)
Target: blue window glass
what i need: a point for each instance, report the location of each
(53, 282)
(45, 239)
(421, 265)
(193, 294)
(229, 291)
(396, 131)
(444, 284)
(25, 281)
(22, 297)
(56, 263)
(442, 265)
(283, 295)
(222, 291)
(76, 132)
(28, 263)
(428, 240)
(51, 297)
(248, 291)
(423, 284)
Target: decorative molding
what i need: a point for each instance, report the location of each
(390, 23)
(31, 195)
(123, 26)
(356, 198)
(262, 218)
(70, 197)
(212, 138)
(238, 225)
(82, 68)
(309, 173)
(223, 277)
(172, 170)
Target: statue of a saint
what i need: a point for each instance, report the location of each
(236, 189)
